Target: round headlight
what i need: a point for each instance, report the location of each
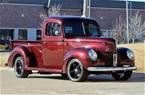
(92, 54)
(130, 54)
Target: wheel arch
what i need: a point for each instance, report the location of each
(122, 56)
(22, 51)
(17, 55)
(122, 52)
(78, 53)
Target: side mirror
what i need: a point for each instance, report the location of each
(56, 33)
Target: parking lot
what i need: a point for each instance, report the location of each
(54, 85)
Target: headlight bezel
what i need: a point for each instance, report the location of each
(92, 54)
(130, 54)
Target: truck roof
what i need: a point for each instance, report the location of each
(71, 18)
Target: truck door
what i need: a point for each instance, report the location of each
(53, 46)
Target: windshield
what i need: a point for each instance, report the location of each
(81, 29)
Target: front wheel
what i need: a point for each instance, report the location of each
(19, 70)
(122, 75)
(76, 71)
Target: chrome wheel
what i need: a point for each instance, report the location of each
(19, 68)
(75, 71)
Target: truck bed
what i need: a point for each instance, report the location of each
(16, 43)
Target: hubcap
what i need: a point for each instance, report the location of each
(121, 74)
(75, 70)
(19, 66)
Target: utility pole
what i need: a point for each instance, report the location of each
(48, 3)
(127, 30)
(85, 8)
(89, 8)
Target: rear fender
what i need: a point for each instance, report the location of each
(79, 53)
(19, 51)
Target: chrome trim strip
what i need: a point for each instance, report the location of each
(114, 60)
(93, 69)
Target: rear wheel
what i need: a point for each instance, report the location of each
(76, 71)
(122, 75)
(19, 70)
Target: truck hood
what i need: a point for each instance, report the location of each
(99, 44)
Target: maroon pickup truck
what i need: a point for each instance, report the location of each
(73, 47)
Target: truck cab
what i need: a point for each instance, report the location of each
(73, 47)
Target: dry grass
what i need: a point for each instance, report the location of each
(139, 50)
(3, 58)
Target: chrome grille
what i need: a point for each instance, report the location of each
(114, 60)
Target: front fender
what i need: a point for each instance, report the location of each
(79, 53)
(122, 57)
(19, 51)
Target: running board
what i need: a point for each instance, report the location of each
(35, 70)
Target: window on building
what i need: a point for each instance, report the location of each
(22, 34)
(6, 35)
(38, 35)
(53, 29)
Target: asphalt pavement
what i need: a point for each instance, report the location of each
(54, 84)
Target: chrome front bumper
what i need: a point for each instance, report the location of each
(99, 69)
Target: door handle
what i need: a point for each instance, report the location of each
(44, 42)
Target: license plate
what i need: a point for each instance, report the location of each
(114, 60)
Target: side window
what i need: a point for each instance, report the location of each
(71, 29)
(38, 35)
(22, 34)
(53, 29)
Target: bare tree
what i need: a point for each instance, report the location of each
(54, 10)
(48, 12)
(119, 30)
(136, 29)
(51, 11)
